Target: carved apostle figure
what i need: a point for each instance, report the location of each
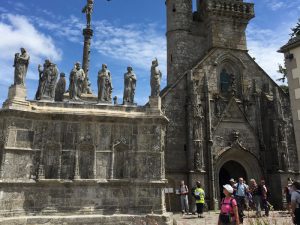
(77, 77)
(21, 63)
(155, 79)
(47, 82)
(60, 88)
(88, 10)
(129, 86)
(104, 84)
(42, 80)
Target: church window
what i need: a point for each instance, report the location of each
(225, 80)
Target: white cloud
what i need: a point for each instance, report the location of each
(263, 45)
(16, 32)
(135, 44)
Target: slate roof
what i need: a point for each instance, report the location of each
(294, 42)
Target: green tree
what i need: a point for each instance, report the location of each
(296, 30)
(285, 88)
(282, 70)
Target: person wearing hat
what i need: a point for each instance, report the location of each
(232, 183)
(229, 210)
(200, 199)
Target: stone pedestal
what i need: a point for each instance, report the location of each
(154, 105)
(16, 98)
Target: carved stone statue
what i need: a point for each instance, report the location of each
(60, 88)
(129, 86)
(232, 84)
(21, 63)
(283, 159)
(88, 10)
(155, 79)
(77, 77)
(47, 82)
(104, 85)
(198, 111)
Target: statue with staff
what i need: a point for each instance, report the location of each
(88, 10)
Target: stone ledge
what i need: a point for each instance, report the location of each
(115, 219)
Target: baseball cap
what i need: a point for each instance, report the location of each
(228, 188)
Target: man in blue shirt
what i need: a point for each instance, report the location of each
(240, 195)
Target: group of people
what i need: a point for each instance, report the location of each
(237, 196)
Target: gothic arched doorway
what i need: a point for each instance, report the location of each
(230, 169)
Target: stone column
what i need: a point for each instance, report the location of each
(88, 34)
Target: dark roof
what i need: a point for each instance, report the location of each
(294, 42)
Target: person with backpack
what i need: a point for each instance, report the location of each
(200, 199)
(229, 210)
(295, 202)
(183, 192)
(240, 195)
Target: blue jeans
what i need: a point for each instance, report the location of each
(184, 203)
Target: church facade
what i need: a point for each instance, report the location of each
(228, 118)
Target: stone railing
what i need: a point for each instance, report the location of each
(238, 9)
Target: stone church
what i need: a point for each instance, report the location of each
(228, 118)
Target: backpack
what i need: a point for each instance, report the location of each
(226, 218)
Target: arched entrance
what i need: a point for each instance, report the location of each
(235, 162)
(230, 169)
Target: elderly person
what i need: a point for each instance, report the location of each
(240, 196)
(183, 191)
(256, 193)
(229, 210)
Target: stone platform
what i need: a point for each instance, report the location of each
(151, 219)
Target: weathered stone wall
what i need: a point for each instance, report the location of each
(82, 160)
(80, 198)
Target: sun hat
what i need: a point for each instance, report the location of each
(228, 188)
(232, 180)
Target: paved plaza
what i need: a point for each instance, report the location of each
(211, 218)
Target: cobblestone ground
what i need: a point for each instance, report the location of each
(211, 218)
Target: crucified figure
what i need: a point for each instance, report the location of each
(88, 10)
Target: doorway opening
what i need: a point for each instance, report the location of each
(230, 169)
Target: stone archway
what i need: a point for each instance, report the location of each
(230, 169)
(247, 164)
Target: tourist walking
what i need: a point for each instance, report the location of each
(256, 193)
(288, 193)
(264, 197)
(295, 202)
(240, 195)
(200, 199)
(229, 211)
(183, 191)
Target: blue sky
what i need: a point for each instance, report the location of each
(127, 32)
